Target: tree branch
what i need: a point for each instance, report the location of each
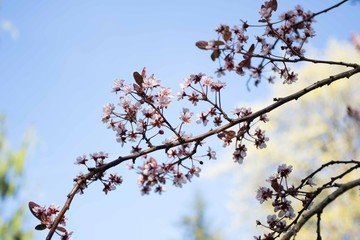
(279, 102)
(320, 207)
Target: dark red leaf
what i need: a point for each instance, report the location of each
(231, 133)
(138, 78)
(32, 205)
(245, 63)
(202, 44)
(61, 229)
(215, 54)
(251, 49)
(40, 227)
(273, 5)
(221, 135)
(218, 43)
(226, 34)
(276, 186)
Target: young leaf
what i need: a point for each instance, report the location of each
(273, 5)
(138, 78)
(32, 205)
(226, 34)
(61, 229)
(218, 43)
(202, 44)
(251, 49)
(215, 54)
(40, 227)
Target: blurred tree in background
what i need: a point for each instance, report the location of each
(11, 181)
(305, 134)
(195, 225)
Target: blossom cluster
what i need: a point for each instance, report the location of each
(154, 175)
(284, 37)
(279, 193)
(140, 119)
(47, 216)
(98, 158)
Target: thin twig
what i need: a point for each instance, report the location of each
(318, 225)
(320, 207)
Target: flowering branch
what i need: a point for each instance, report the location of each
(281, 191)
(321, 206)
(141, 117)
(278, 102)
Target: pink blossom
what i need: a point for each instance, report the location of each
(207, 80)
(160, 189)
(284, 170)
(81, 160)
(186, 83)
(241, 111)
(202, 118)
(185, 115)
(129, 166)
(118, 84)
(239, 154)
(163, 97)
(194, 98)
(107, 111)
(193, 171)
(217, 86)
(52, 209)
(151, 82)
(265, 12)
(179, 179)
(264, 118)
(127, 89)
(211, 154)
(263, 194)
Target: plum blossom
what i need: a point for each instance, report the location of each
(151, 82)
(263, 194)
(118, 84)
(217, 86)
(179, 179)
(211, 154)
(81, 160)
(239, 153)
(202, 118)
(194, 171)
(284, 170)
(260, 138)
(162, 98)
(185, 115)
(241, 111)
(207, 80)
(108, 109)
(285, 209)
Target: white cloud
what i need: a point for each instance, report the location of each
(9, 27)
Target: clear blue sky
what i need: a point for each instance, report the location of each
(57, 66)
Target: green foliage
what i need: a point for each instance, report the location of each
(196, 227)
(11, 170)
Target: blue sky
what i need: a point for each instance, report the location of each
(57, 66)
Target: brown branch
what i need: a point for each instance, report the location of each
(320, 207)
(330, 8)
(279, 102)
(304, 59)
(323, 11)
